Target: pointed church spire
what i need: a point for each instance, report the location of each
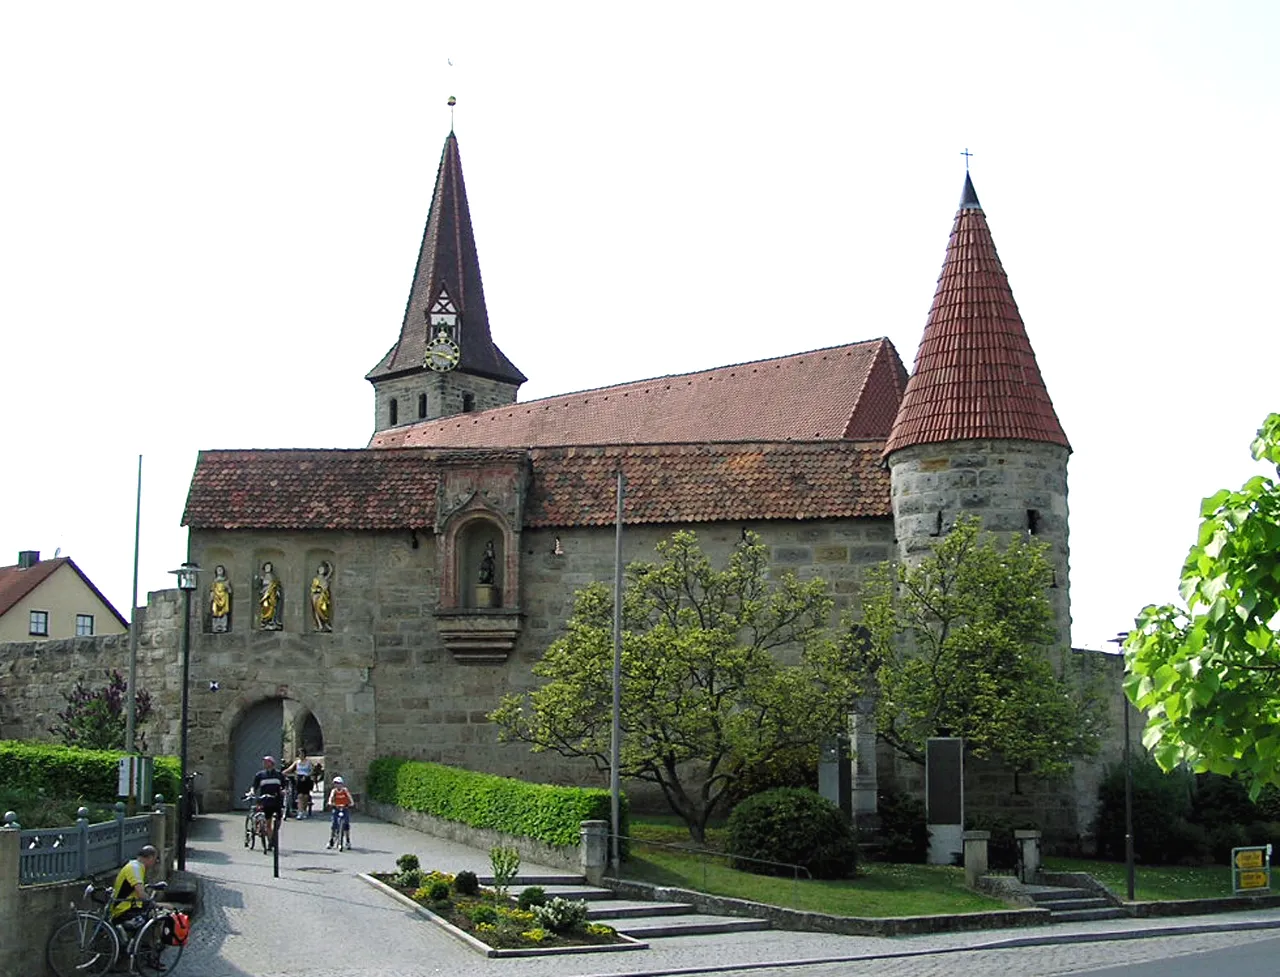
(447, 291)
(975, 375)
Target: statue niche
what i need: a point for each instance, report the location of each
(480, 565)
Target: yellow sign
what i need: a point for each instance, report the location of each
(1252, 880)
(1249, 858)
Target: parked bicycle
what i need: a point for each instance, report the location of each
(88, 944)
(193, 799)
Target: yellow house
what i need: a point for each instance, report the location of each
(42, 599)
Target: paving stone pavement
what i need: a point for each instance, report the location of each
(319, 920)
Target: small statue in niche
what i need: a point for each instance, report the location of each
(220, 601)
(487, 565)
(270, 609)
(321, 599)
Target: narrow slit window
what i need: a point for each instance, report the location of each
(468, 403)
(393, 412)
(422, 406)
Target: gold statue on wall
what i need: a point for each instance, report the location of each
(220, 601)
(270, 609)
(322, 598)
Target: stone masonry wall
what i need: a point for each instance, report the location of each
(444, 396)
(999, 481)
(35, 675)
(382, 683)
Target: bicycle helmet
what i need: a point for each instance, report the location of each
(338, 780)
(268, 759)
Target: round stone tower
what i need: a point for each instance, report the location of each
(976, 431)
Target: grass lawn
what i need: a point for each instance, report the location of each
(879, 889)
(1152, 882)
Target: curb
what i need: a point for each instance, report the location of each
(1006, 944)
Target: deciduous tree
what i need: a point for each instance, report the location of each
(960, 645)
(1207, 671)
(707, 690)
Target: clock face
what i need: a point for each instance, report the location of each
(442, 354)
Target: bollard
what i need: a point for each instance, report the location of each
(975, 856)
(1028, 842)
(595, 850)
(82, 831)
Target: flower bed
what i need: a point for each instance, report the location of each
(490, 920)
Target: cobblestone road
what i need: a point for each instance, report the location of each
(319, 920)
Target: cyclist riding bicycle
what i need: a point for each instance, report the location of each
(340, 802)
(268, 785)
(129, 891)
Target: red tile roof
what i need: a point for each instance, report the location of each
(448, 259)
(311, 489)
(975, 374)
(17, 581)
(571, 486)
(847, 392)
(675, 483)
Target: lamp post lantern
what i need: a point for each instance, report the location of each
(187, 575)
(1119, 641)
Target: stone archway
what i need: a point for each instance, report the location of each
(253, 726)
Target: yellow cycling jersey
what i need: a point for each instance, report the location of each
(129, 877)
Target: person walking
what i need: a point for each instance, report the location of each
(302, 769)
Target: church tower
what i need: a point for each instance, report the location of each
(976, 431)
(445, 362)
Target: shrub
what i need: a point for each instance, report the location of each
(96, 719)
(68, 772)
(793, 767)
(1161, 808)
(438, 892)
(904, 832)
(1221, 838)
(532, 896)
(561, 915)
(465, 883)
(407, 861)
(548, 813)
(482, 914)
(411, 878)
(793, 826)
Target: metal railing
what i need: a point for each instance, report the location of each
(78, 851)
(706, 854)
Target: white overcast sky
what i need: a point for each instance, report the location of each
(209, 216)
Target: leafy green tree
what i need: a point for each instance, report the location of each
(706, 693)
(1207, 672)
(95, 718)
(960, 645)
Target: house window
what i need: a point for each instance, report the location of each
(40, 623)
(394, 412)
(84, 625)
(422, 406)
(468, 403)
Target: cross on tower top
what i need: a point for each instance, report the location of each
(966, 154)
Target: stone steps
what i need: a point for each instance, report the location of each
(1073, 905)
(635, 917)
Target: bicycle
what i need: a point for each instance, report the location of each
(340, 828)
(89, 944)
(256, 824)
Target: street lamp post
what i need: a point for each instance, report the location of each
(187, 574)
(1119, 641)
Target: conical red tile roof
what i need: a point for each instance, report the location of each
(975, 374)
(448, 260)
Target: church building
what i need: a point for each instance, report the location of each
(385, 598)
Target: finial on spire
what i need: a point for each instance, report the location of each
(966, 154)
(452, 102)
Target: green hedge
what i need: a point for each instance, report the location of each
(85, 775)
(542, 811)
